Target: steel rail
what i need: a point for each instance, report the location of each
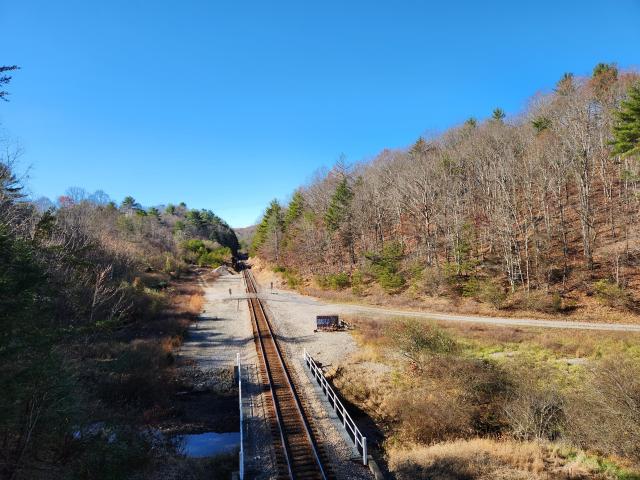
(276, 407)
(253, 302)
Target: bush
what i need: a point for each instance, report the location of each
(357, 283)
(293, 280)
(432, 281)
(134, 375)
(112, 454)
(605, 413)
(417, 340)
(339, 281)
(390, 281)
(386, 265)
(333, 281)
(541, 301)
(612, 294)
(427, 415)
(485, 291)
(536, 407)
(206, 254)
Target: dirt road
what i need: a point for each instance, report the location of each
(314, 306)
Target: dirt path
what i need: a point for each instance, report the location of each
(307, 307)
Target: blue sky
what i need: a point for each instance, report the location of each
(225, 105)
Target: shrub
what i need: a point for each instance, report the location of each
(427, 415)
(292, 279)
(485, 291)
(612, 294)
(432, 281)
(385, 266)
(357, 283)
(114, 453)
(390, 281)
(541, 301)
(536, 407)
(194, 245)
(135, 375)
(416, 340)
(339, 281)
(606, 408)
(333, 281)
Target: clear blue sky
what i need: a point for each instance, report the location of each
(189, 100)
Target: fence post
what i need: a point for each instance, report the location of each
(364, 450)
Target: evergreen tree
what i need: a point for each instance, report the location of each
(419, 148)
(471, 122)
(129, 204)
(294, 210)
(339, 206)
(5, 79)
(604, 76)
(566, 84)
(541, 123)
(270, 229)
(626, 132)
(498, 114)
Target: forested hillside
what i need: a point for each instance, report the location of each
(90, 312)
(535, 212)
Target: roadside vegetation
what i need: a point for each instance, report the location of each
(535, 214)
(459, 401)
(95, 298)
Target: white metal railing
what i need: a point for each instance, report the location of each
(359, 440)
(241, 459)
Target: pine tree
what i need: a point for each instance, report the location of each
(294, 210)
(471, 122)
(130, 205)
(498, 114)
(419, 148)
(565, 85)
(604, 76)
(269, 229)
(541, 123)
(626, 132)
(5, 79)
(339, 206)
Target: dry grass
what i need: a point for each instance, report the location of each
(196, 302)
(485, 459)
(372, 333)
(499, 382)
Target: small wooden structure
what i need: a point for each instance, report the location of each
(328, 323)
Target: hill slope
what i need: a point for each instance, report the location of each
(535, 213)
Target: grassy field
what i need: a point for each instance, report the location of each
(460, 401)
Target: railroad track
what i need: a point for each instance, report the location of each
(298, 455)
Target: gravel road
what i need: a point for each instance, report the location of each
(308, 307)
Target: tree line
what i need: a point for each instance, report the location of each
(85, 335)
(503, 204)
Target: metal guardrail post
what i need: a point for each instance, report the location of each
(364, 450)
